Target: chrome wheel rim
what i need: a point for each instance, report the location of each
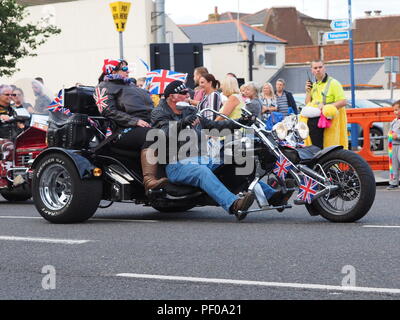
(343, 200)
(55, 187)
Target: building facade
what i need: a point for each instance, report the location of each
(88, 36)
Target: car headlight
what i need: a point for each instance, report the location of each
(280, 130)
(303, 130)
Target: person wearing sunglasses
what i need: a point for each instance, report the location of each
(129, 108)
(7, 130)
(19, 100)
(196, 170)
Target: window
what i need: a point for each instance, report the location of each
(270, 56)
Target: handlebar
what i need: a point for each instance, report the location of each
(223, 116)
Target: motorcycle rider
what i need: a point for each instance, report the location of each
(129, 107)
(196, 171)
(7, 130)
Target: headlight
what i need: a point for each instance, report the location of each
(280, 130)
(302, 128)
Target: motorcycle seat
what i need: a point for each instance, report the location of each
(307, 153)
(180, 190)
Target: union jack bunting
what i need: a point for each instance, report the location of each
(281, 167)
(100, 97)
(307, 190)
(157, 80)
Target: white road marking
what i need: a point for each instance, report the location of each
(45, 240)
(94, 219)
(19, 217)
(376, 226)
(260, 283)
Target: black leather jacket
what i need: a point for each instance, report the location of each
(8, 130)
(162, 116)
(124, 103)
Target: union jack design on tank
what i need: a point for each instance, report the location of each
(157, 80)
(282, 167)
(307, 190)
(100, 97)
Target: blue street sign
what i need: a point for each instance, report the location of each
(341, 24)
(337, 35)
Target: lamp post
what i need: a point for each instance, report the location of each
(171, 50)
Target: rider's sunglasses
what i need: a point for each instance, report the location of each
(125, 69)
(9, 94)
(183, 92)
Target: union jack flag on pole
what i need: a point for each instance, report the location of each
(58, 104)
(282, 167)
(157, 80)
(308, 189)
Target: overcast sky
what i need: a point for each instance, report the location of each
(194, 11)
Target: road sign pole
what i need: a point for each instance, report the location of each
(120, 11)
(121, 45)
(354, 127)
(391, 78)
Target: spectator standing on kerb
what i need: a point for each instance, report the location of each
(284, 99)
(394, 148)
(253, 102)
(42, 100)
(327, 95)
(211, 98)
(268, 98)
(198, 91)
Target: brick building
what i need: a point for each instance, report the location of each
(375, 37)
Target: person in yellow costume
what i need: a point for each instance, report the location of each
(327, 96)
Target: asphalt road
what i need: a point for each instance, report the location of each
(133, 252)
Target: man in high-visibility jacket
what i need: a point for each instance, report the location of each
(327, 95)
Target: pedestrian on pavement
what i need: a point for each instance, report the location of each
(232, 107)
(394, 148)
(42, 99)
(198, 91)
(253, 102)
(211, 98)
(268, 98)
(326, 95)
(284, 99)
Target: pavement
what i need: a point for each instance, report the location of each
(135, 253)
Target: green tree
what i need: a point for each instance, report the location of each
(19, 39)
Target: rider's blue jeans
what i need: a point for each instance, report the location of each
(198, 172)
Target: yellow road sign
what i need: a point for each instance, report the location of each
(120, 11)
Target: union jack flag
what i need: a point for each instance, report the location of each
(109, 132)
(308, 189)
(281, 167)
(58, 105)
(157, 80)
(100, 97)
